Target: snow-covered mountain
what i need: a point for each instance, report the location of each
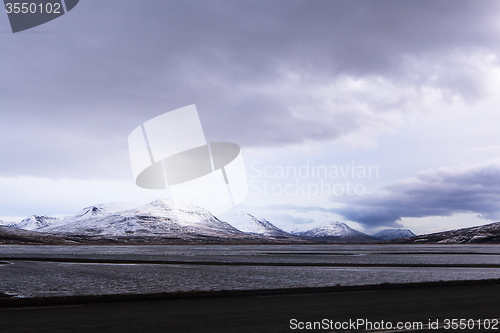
(158, 219)
(489, 233)
(7, 224)
(249, 223)
(4, 223)
(332, 229)
(391, 234)
(337, 231)
(35, 222)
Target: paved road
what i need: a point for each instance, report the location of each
(260, 313)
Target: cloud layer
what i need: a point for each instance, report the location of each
(441, 192)
(261, 73)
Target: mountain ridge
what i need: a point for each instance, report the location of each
(249, 223)
(488, 233)
(169, 222)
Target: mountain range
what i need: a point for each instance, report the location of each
(173, 222)
(161, 221)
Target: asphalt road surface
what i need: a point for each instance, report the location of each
(266, 312)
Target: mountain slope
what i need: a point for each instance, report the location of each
(249, 223)
(489, 233)
(11, 235)
(391, 234)
(337, 232)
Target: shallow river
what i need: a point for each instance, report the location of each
(29, 271)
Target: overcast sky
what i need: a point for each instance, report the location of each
(406, 89)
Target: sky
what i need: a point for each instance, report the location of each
(379, 114)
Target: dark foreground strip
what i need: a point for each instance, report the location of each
(13, 302)
(238, 263)
(348, 253)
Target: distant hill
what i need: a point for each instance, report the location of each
(391, 234)
(489, 233)
(336, 232)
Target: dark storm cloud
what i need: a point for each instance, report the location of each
(442, 192)
(69, 99)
